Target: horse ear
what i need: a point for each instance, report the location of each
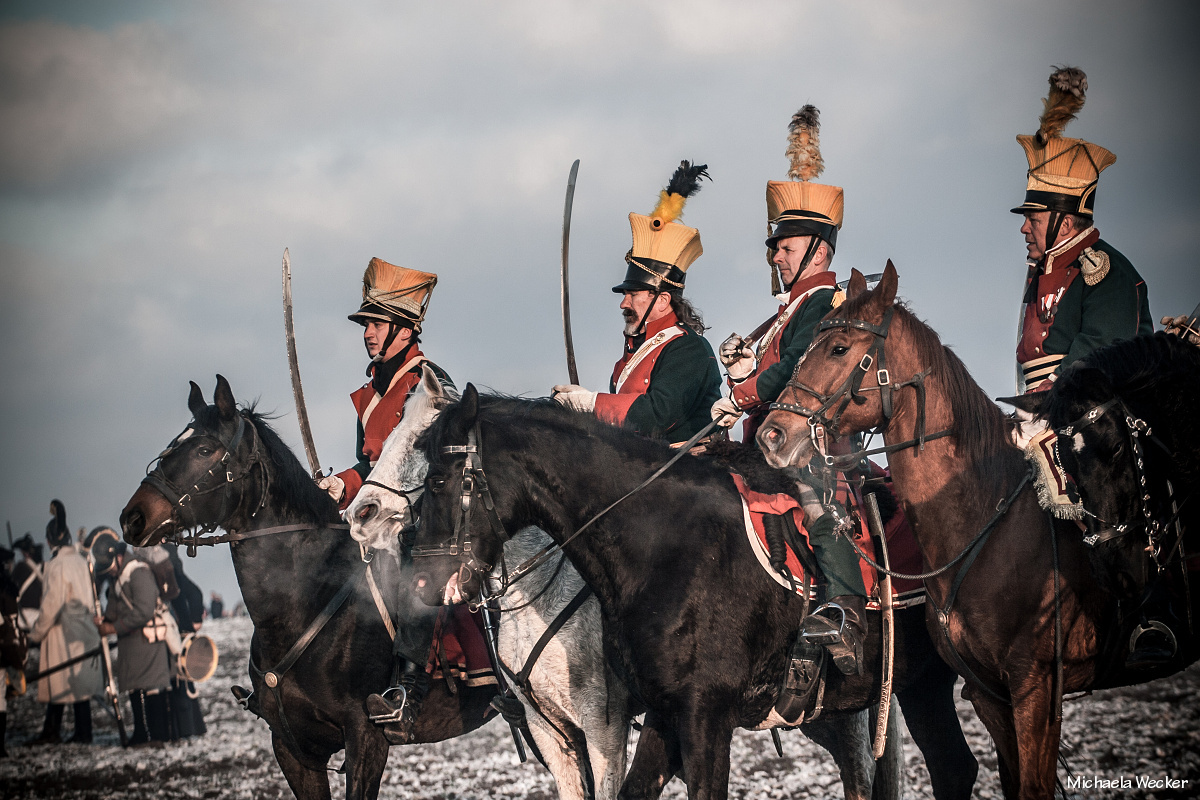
(223, 397)
(857, 285)
(1032, 403)
(196, 402)
(440, 394)
(886, 290)
(470, 404)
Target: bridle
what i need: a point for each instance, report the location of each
(821, 424)
(1136, 428)
(219, 478)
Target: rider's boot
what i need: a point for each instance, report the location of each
(838, 627)
(397, 709)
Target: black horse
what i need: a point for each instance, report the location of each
(1098, 407)
(243, 478)
(693, 625)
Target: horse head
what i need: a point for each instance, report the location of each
(457, 542)
(834, 390)
(197, 480)
(384, 505)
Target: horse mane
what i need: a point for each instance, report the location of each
(979, 428)
(291, 484)
(1141, 363)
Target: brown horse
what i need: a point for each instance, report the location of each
(1017, 587)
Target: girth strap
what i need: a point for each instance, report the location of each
(568, 611)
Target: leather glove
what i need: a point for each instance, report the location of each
(738, 357)
(726, 412)
(575, 397)
(335, 486)
(1179, 327)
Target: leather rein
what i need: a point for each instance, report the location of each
(820, 424)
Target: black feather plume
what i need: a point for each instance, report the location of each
(686, 180)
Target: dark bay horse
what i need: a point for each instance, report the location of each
(965, 492)
(693, 625)
(244, 478)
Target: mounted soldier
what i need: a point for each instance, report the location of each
(394, 302)
(1080, 292)
(667, 376)
(803, 220)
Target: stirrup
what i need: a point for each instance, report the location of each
(823, 631)
(396, 714)
(1153, 626)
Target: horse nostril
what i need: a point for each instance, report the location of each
(420, 581)
(366, 512)
(132, 523)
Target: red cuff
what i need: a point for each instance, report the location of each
(745, 394)
(353, 483)
(613, 408)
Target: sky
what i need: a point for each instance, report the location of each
(156, 159)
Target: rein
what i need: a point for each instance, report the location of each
(475, 483)
(819, 423)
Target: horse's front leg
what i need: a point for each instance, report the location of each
(847, 738)
(704, 741)
(366, 757)
(655, 761)
(1037, 733)
(998, 719)
(305, 783)
(928, 704)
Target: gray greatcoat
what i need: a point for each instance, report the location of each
(141, 663)
(66, 628)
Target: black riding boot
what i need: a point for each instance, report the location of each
(83, 723)
(52, 728)
(397, 709)
(3, 732)
(137, 704)
(839, 627)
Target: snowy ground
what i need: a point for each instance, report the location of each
(1146, 732)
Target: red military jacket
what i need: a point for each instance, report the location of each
(631, 374)
(378, 415)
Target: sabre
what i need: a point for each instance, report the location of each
(110, 685)
(875, 524)
(572, 370)
(310, 447)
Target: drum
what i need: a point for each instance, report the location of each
(197, 658)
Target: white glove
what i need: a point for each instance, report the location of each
(726, 412)
(738, 357)
(575, 397)
(335, 486)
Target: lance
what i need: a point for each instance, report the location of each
(875, 524)
(8, 525)
(572, 370)
(110, 684)
(310, 447)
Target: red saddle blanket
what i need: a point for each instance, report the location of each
(459, 648)
(903, 554)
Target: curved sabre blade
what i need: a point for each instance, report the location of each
(572, 370)
(310, 447)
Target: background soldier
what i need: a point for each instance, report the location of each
(1080, 293)
(65, 629)
(667, 377)
(803, 220)
(143, 666)
(393, 307)
(28, 576)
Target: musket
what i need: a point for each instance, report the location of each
(875, 524)
(572, 370)
(31, 677)
(110, 684)
(310, 447)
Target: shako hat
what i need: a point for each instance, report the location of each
(663, 249)
(1063, 172)
(394, 294)
(105, 548)
(799, 207)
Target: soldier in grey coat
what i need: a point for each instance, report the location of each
(143, 661)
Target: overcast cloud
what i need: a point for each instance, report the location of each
(155, 159)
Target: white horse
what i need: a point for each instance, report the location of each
(579, 713)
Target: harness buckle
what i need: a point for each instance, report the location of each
(883, 377)
(866, 362)
(228, 477)
(183, 499)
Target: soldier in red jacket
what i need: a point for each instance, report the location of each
(667, 376)
(393, 307)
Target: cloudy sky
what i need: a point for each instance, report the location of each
(155, 160)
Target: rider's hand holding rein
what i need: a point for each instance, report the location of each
(574, 397)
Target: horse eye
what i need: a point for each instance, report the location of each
(437, 484)
(204, 452)
(839, 350)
